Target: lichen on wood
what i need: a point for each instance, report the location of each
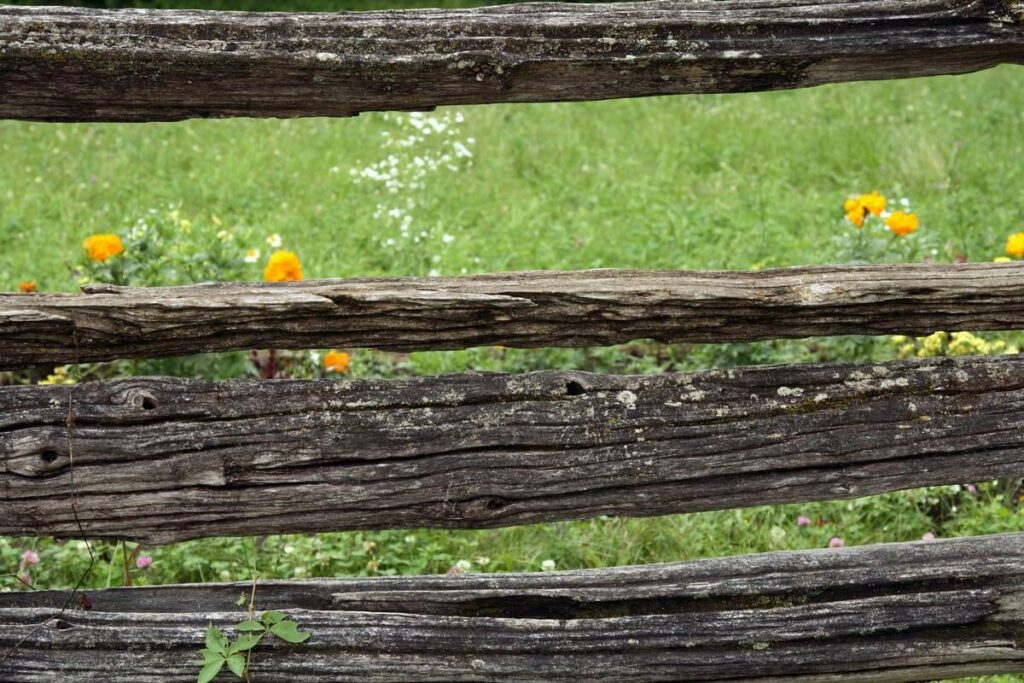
(529, 309)
(162, 460)
(896, 612)
(69, 64)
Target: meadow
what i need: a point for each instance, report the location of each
(747, 181)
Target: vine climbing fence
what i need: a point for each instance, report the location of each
(161, 460)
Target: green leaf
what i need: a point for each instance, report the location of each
(210, 671)
(241, 600)
(288, 630)
(211, 656)
(271, 618)
(250, 625)
(237, 665)
(244, 643)
(215, 640)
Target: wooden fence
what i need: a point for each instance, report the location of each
(161, 460)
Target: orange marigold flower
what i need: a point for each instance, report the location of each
(902, 223)
(102, 247)
(874, 203)
(283, 266)
(1015, 245)
(27, 287)
(337, 361)
(855, 211)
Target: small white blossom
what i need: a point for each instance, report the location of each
(252, 256)
(274, 241)
(547, 566)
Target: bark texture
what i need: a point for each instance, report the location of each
(897, 612)
(529, 309)
(132, 65)
(163, 460)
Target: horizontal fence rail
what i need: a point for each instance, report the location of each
(164, 460)
(897, 612)
(130, 65)
(530, 309)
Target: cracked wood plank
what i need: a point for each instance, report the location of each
(64, 64)
(530, 309)
(162, 460)
(895, 612)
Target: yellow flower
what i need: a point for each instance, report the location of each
(1002, 259)
(874, 203)
(902, 223)
(27, 287)
(283, 266)
(1015, 245)
(102, 247)
(337, 361)
(856, 217)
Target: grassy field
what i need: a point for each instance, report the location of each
(737, 182)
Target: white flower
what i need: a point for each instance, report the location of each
(547, 566)
(483, 561)
(274, 241)
(252, 256)
(464, 565)
(434, 272)
(225, 575)
(447, 239)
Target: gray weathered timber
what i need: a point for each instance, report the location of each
(163, 460)
(514, 309)
(131, 65)
(897, 612)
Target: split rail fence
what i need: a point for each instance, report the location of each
(160, 460)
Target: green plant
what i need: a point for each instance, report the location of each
(237, 654)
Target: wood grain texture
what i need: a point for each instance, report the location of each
(131, 65)
(163, 460)
(530, 309)
(897, 612)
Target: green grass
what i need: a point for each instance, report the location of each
(728, 181)
(736, 182)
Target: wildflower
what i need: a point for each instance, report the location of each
(29, 558)
(252, 256)
(27, 287)
(225, 575)
(902, 223)
(143, 561)
(836, 542)
(856, 218)
(928, 537)
(186, 226)
(971, 488)
(102, 247)
(1015, 245)
(803, 520)
(464, 565)
(284, 266)
(483, 561)
(337, 361)
(274, 241)
(873, 203)
(547, 566)
(1002, 259)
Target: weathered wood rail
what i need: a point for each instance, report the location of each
(60, 64)
(897, 612)
(515, 309)
(161, 460)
